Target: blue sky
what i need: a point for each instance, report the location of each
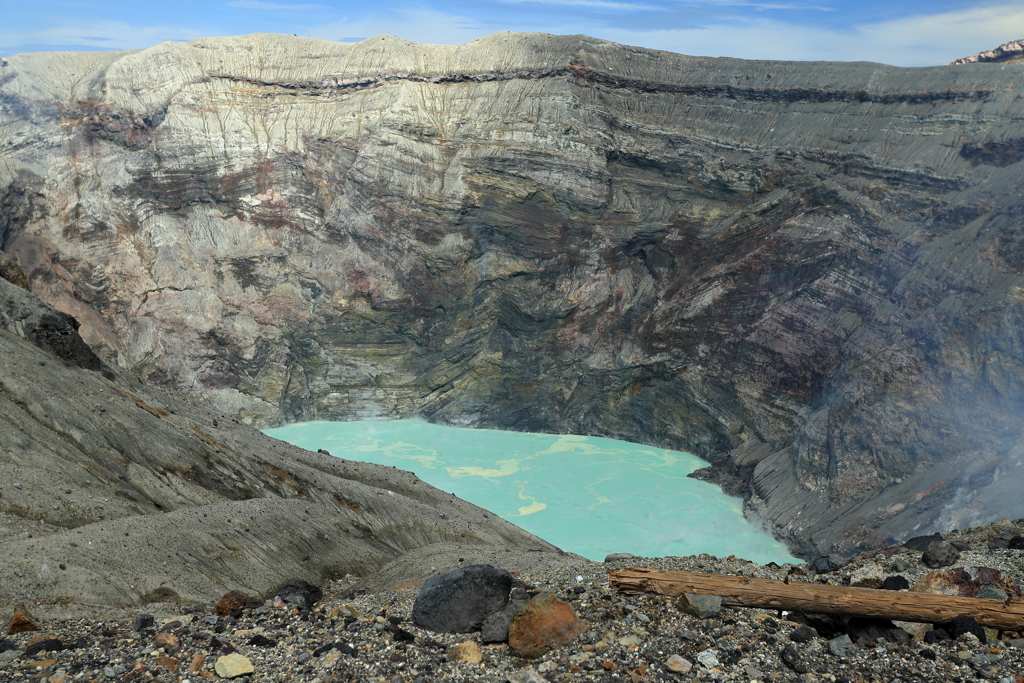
(901, 32)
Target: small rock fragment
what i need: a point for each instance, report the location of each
(962, 625)
(828, 563)
(1003, 532)
(842, 647)
(528, 675)
(330, 659)
(233, 666)
(43, 645)
(791, 658)
(495, 627)
(803, 634)
(678, 664)
(300, 593)
(197, 663)
(921, 543)
(614, 557)
(347, 611)
(700, 606)
(895, 583)
(21, 621)
(168, 641)
(231, 600)
(168, 663)
(260, 640)
(467, 651)
(142, 621)
(708, 659)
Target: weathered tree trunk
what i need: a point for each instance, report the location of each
(740, 591)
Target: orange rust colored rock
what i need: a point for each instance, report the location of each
(168, 641)
(21, 621)
(39, 664)
(541, 625)
(169, 663)
(196, 665)
(230, 601)
(402, 585)
(961, 581)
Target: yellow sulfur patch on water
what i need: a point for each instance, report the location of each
(505, 468)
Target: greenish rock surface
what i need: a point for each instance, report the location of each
(808, 274)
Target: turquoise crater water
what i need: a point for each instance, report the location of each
(585, 494)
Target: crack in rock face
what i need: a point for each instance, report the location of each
(806, 273)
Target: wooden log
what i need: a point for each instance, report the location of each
(740, 591)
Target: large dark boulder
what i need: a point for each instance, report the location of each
(460, 601)
(940, 554)
(921, 543)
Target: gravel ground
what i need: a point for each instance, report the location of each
(352, 635)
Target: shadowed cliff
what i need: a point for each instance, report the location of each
(806, 273)
(115, 493)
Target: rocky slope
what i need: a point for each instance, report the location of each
(352, 635)
(1011, 52)
(115, 493)
(807, 273)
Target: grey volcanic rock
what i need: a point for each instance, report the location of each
(460, 601)
(940, 554)
(808, 273)
(116, 493)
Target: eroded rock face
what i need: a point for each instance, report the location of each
(807, 273)
(116, 493)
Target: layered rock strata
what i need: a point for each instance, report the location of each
(807, 273)
(116, 493)
(1011, 52)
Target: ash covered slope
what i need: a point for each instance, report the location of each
(113, 493)
(808, 273)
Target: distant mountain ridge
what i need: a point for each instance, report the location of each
(1007, 53)
(808, 273)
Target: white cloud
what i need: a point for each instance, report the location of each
(422, 26)
(258, 4)
(910, 41)
(102, 34)
(921, 40)
(596, 4)
(754, 4)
